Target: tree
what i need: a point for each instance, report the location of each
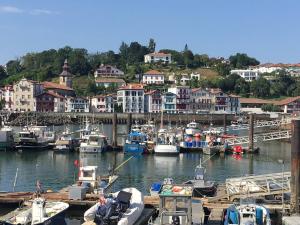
(223, 69)
(13, 67)
(242, 60)
(3, 73)
(260, 88)
(151, 45)
(270, 108)
(188, 56)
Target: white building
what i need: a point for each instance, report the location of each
(195, 76)
(153, 101)
(157, 57)
(184, 80)
(224, 103)
(76, 104)
(8, 97)
(249, 74)
(102, 103)
(108, 71)
(131, 98)
(183, 96)
(153, 77)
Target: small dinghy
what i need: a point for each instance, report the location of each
(124, 208)
(39, 213)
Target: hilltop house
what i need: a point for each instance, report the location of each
(153, 77)
(108, 71)
(157, 57)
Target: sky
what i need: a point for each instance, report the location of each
(265, 29)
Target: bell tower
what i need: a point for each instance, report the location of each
(65, 78)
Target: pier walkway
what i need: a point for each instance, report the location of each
(270, 136)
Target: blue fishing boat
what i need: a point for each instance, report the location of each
(136, 143)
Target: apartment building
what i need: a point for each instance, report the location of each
(131, 98)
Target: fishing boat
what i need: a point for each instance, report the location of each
(166, 143)
(65, 143)
(41, 212)
(96, 183)
(202, 187)
(125, 207)
(246, 214)
(93, 143)
(192, 128)
(156, 186)
(176, 207)
(42, 132)
(136, 143)
(28, 140)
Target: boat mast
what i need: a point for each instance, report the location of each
(161, 119)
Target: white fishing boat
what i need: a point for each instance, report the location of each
(126, 206)
(166, 143)
(65, 143)
(41, 212)
(192, 128)
(246, 214)
(93, 143)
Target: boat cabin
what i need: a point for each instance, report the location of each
(136, 137)
(95, 140)
(175, 205)
(27, 135)
(88, 174)
(193, 125)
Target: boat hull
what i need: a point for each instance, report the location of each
(166, 150)
(135, 148)
(92, 149)
(32, 146)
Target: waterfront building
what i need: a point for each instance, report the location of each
(49, 102)
(110, 82)
(131, 98)
(108, 71)
(182, 98)
(248, 74)
(153, 77)
(102, 103)
(24, 94)
(153, 101)
(253, 105)
(157, 57)
(8, 97)
(76, 104)
(224, 103)
(201, 100)
(169, 102)
(289, 105)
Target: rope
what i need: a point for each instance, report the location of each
(122, 164)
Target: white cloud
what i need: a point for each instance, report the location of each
(35, 12)
(10, 9)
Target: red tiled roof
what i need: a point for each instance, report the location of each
(132, 86)
(109, 80)
(51, 85)
(153, 72)
(51, 93)
(286, 101)
(159, 54)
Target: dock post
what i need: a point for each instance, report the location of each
(129, 122)
(251, 133)
(114, 130)
(295, 167)
(224, 123)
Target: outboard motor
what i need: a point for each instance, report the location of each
(38, 210)
(175, 220)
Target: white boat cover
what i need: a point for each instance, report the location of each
(130, 216)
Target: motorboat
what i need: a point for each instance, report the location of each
(136, 143)
(156, 186)
(202, 187)
(65, 143)
(192, 128)
(246, 214)
(93, 181)
(41, 212)
(125, 208)
(166, 143)
(42, 132)
(93, 143)
(28, 140)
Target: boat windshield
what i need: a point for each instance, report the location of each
(26, 135)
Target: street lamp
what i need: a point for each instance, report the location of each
(281, 161)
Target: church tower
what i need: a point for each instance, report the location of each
(65, 78)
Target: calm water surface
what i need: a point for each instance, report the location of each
(57, 170)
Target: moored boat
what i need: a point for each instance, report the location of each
(192, 128)
(28, 140)
(41, 212)
(202, 187)
(93, 143)
(166, 143)
(136, 143)
(125, 207)
(246, 214)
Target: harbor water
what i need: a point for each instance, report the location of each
(57, 171)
